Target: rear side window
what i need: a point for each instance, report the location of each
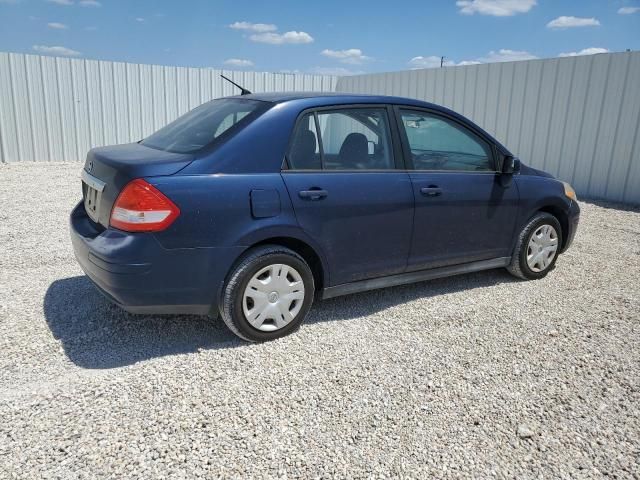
(203, 125)
(342, 139)
(437, 143)
(304, 152)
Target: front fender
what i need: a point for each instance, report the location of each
(537, 193)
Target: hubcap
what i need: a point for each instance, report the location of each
(273, 297)
(542, 248)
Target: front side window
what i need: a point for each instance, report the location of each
(440, 144)
(203, 125)
(342, 139)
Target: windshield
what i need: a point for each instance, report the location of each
(204, 124)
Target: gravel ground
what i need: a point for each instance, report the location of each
(472, 376)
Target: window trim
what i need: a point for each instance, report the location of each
(475, 133)
(318, 138)
(396, 151)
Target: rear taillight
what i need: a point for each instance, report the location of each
(141, 207)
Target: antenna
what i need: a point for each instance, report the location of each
(441, 61)
(243, 90)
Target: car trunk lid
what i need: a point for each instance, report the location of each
(108, 169)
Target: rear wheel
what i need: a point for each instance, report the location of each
(268, 294)
(537, 248)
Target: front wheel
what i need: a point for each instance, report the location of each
(537, 247)
(268, 294)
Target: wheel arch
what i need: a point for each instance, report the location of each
(311, 254)
(305, 250)
(563, 219)
(288, 236)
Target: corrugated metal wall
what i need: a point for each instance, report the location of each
(56, 109)
(577, 117)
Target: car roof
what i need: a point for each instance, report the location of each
(331, 98)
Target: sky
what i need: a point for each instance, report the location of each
(328, 36)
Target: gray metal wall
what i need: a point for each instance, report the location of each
(56, 109)
(576, 117)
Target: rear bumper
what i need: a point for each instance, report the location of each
(136, 272)
(573, 220)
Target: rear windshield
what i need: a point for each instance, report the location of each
(204, 124)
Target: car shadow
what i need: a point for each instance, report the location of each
(96, 334)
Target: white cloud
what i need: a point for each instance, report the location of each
(572, 22)
(238, 63)
(628, 10)
(428, 62)
(254, 27)
(267, 33)
(91, 28)
(140, 19)
(503, 55)
(496, 8)
(61, 2)
(506, 55)
(338, 71)
(57, 26)
(352, 56)
(282, 38)
(585, 51)
(67, 52)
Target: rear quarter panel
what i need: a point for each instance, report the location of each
(216, 209)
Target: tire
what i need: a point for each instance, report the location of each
(520, 262)
(280, 274)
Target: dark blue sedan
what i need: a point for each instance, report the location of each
(252, 206)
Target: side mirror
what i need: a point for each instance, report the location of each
(510, 165)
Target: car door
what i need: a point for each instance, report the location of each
(462, 213)
(348, 194)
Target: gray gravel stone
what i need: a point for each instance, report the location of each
(524, 431)
(423, 381)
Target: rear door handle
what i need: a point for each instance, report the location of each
(431, 191)
(313, 194)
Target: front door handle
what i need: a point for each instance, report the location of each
(431, 191)
(313, 194)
